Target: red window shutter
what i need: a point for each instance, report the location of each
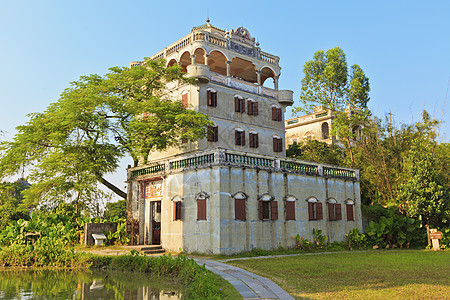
(338, 212)
(274, 113)
(179, 204)
(290, 210)
(350, 212)
(319, 213)
(236, 104)
(201, 209)
(214, 99)
(242, 105)
(260, 206)
(184, 99)
(280, 145)
(255, 108)
(274, 210)
(236, 137)
(210, 100)
(249, 108)
(239, 209)
(175, 211)
(256, 139)
(331, 212)
(243, 138)
(275, 144)
(279, 115)
(250, 137)
(311, 210)
(210, 133)
(216, 133)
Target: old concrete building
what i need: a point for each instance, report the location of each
(314, 126)
(235, 190)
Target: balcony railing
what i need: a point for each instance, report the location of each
(243, 85)
(212, 39)
(240, 159)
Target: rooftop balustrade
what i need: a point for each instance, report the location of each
(223, 157)
(198, 35)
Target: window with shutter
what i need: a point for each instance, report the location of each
(253, 140)
(201, 209)
(184, 100)
(213, 133)
(331, 216)
(212, 98)
(274, 113)
(279, 115)
(177, 210)
(239, 138)
(249, 107)
(273, 210)
(239, 209)
(312, 210)
(260, 210)
(337, 211)
(290, 210)
(277, 144)
(319, 213)
(255, 108)
(350, 216)
(239, 105)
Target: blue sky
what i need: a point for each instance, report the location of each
(403, 46)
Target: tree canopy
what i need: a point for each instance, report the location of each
(68, 148)
(329, 83)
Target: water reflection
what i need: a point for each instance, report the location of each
(85, 284)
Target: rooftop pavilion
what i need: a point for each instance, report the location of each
(228, 57)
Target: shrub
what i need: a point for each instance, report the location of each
(356, 239)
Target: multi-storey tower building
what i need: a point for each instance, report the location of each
(235, 190)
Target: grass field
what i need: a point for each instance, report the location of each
(402, 274)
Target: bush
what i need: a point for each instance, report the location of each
(356, 239)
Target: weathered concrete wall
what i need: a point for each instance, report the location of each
(90, 228)
(221, 233)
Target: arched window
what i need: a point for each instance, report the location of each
(252, 107)
(239, 137)
(350, 204)
(325, 131)
(268, 208)
(277, 114)
(239, 206)
(334, 210)
(277, 143)
(290, 207)
(253, 138)
(211, 96)
(185, 60)
(314, 209)
(239, 104)
(213, 133)
(201, 206)
(177, 208)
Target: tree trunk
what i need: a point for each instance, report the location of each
(428, 234)
(112, 187)
(351, 152)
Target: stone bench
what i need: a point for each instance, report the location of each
(99, 238)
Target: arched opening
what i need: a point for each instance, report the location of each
(243, 69)
(217, 63)
(308, 136)
(325, 131)
(267, 73)
(185, 60)
(171, 62)
(199, 56)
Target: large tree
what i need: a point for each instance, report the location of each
(328, 82)
(69, 148)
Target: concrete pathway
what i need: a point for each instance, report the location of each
(249, 285)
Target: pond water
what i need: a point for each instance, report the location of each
(85, 284)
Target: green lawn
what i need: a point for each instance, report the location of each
(402, 274)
